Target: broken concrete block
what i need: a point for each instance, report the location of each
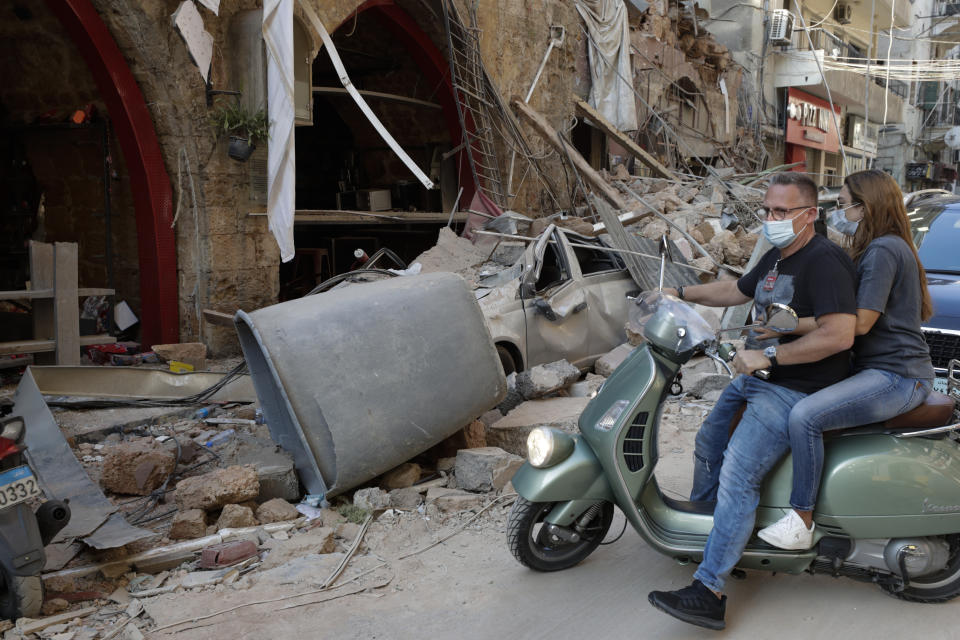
(706, 231)
(188, 524)
(137, 467)
(347, 531)
(276, 510)
(235, 516)
(607, 363)
(453, 499)
(275, 468)
(407, 498)
(192, 353)
(319, 540)
(545, 379)
(218, 488)
(485, 469)
(331, 518)
(399, 477)
(513, 397)
(446, 464)
(371, 499)
(510, 433)
(586, 388)
(699, 385)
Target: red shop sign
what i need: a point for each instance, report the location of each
(809, 122)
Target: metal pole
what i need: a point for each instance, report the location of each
(866, 83)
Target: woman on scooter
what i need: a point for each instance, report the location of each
(892, 368)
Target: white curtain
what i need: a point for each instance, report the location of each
(609, 50)
(281, 157)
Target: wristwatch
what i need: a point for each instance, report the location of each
(771, 353)
(680, 292)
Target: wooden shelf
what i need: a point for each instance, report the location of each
(46, 346)
(48, 294)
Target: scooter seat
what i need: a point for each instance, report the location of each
(936, 411)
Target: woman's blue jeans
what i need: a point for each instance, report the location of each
(869, 396)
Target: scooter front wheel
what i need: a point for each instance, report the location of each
(533, 545)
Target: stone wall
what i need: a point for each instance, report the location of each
(226, 259)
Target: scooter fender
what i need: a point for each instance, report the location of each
(579, 477)
(21, 549)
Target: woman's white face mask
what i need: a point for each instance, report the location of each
(838, 219)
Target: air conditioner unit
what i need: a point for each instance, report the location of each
(843, 13)
(780, 27)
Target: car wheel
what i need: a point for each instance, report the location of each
(506, 360)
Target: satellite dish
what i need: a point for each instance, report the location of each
(952, 138)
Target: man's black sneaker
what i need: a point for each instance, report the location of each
(695, 604)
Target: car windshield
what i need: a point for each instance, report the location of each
(936, 233)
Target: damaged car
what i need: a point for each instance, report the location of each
(557, 301)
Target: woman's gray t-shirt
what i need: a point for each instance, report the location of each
(890, 284)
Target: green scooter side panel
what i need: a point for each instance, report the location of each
(879, 486)
(876, 486)
(579, 477)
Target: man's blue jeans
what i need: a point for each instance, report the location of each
(869, 396)
(731, 470)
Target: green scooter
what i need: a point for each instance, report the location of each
(888, 510)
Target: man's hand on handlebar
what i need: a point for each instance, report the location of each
(749, 361)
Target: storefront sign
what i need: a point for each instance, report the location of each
(809, 122)
(861, 135)
(920, 171)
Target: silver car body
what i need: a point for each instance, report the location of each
(561, 302)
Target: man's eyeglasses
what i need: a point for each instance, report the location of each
(778, 213)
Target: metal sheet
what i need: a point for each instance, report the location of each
(59, 472)
(116, 382)
(116, 532)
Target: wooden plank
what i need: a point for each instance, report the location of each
(66, 307)
(586, 111)
(99, 338)
(550, 134)
(31, 294)
(41, 277)
(27, 346)
(338, 216)
(218, 318)
(95, 291)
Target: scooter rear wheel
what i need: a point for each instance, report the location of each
(530, 543)
(20, 596)
(938, 587)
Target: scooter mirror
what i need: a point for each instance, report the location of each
(780, 318)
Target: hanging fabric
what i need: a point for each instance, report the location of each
(610, 71)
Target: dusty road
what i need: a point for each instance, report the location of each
(471, 587)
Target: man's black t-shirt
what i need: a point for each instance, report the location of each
(816, 280)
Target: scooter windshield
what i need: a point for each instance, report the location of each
(669, 323)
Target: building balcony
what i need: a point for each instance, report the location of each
(799, 69)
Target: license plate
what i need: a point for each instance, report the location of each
(940, 385)
(17, 485)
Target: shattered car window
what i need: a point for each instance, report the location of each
(595, 260)
(554, 270)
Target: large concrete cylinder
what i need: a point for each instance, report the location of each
(355, 381)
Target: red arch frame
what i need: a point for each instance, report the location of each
(149, 182)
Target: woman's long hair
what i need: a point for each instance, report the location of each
(884, 215)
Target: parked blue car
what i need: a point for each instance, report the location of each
(935, 223)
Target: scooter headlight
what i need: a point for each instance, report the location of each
(547, 446)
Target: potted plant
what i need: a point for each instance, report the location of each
(245, 128)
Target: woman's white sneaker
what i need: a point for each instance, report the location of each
(789, 532)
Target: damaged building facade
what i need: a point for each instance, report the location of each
(107, 109)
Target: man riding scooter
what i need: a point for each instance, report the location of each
(816, 278)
